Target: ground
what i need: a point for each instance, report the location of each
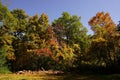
(42, 76)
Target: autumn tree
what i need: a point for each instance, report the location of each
(102, 24)
(63, 56)
(31, 36)
(103, 40)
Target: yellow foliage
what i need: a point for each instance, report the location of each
(11, 56)
(99, 40)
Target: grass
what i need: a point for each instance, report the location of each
(60, 77)
(27, 77)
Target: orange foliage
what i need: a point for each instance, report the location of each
(43, 52)
(50, 32)
(104, 20)
(52, 40)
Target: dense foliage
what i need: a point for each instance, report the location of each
(31, 43)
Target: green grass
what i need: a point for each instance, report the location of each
(4, 70)
(55, 77)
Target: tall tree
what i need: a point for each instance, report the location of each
(69, 29)
(103, 40)
(19, 44)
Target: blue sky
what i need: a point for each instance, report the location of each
(54, 8)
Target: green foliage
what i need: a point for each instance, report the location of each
(3, 62)
(6, 36)
(7, 18)
(68, 28)
(2, 57)
(21, 18)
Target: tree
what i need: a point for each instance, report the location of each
(69, 29)
(62, 27)
(103, 40)
(18, 34)
(34, 39)
(6, 33)
(102, 24)
(21, 17)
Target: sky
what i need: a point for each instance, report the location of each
(86, 9)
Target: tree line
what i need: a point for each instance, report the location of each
(32, 43)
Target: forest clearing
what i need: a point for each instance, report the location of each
(34, 48)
